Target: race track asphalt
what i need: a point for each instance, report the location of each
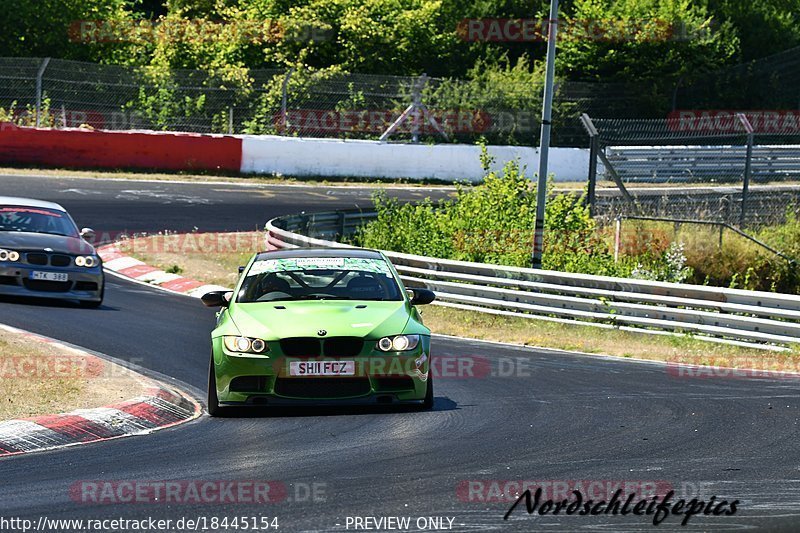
(538, 415)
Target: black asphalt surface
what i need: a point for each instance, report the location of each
(538, 415)
(136, 206)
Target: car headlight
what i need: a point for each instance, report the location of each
(87, 261)
(244, 344)
(9, 255)
(399, 343)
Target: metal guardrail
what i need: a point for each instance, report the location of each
(656, 164)
(712, 313)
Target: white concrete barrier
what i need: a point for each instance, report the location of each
(296, 156)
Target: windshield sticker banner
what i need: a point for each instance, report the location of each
(319, 263)
(19, 210)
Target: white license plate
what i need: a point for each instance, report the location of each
(322, 368)
(49, 276)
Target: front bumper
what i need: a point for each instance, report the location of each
(85, 284)
(396, 378)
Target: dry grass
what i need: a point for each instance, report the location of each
(209, 257)
(41, 379)
(589, 339)
(220, 268)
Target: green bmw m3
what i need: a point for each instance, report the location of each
(319, 326)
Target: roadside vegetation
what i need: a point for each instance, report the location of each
(493, 223)
(41, 379)
(406, 37)
(649, 43)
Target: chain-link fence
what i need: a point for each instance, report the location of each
(700, 165)
(60, 93)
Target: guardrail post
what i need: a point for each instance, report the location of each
(594, 144)
(341, 225)
(39, 76)
(747, 166)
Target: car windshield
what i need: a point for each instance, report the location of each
(36, 220)
(318, 278)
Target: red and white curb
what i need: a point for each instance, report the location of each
(160, 407)
(130, 267)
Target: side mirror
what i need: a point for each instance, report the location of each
(241, 269)
(88, 234)
(216, 298)
(421, 296)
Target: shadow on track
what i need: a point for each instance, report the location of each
(52, 303)
(440, 404)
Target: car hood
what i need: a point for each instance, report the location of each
(306, 318)
(20, 240)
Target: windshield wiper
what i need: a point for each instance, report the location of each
(43, 232)
(305, 297)
(320, 297)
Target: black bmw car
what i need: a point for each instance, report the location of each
(43, 254)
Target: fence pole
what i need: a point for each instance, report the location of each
(617, 238)
(747, 166)
(39, 76)
(417, 103)
(593, 147)
(230, 120)
(284, 91)
(544, 139)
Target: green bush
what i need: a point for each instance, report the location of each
(493, 223)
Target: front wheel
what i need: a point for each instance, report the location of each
(213, 402)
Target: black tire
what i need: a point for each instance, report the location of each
(212, 401)
(89, 304)
(427, 403)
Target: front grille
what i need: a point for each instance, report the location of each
(312, 347)
(342, 346)
(322, 387)
(59, 260)
(85, 286)
(248, 384)
(8, 280)
(37, 258)
(300, 347)
(47, 286)
(394, 384)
